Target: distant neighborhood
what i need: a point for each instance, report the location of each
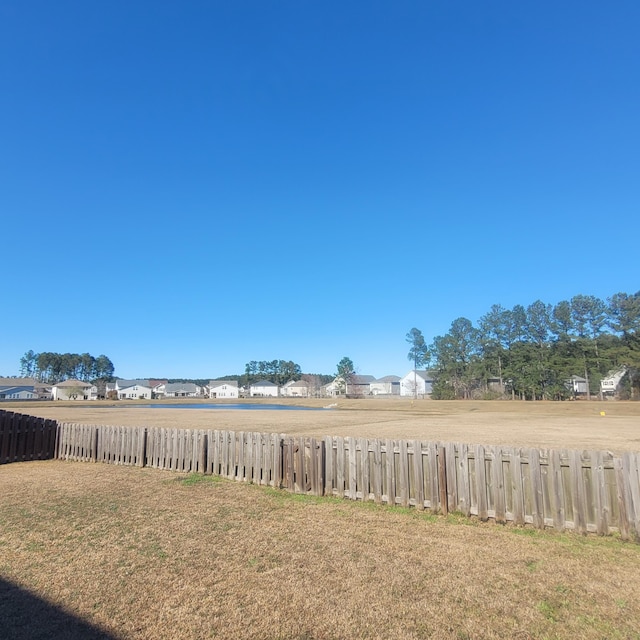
(415, 383)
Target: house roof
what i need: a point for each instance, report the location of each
(172, 387)
(358, 379)
(74, 383)
(18, 389)
(125, 384)
(263, 383)
(218, 383)
(389, 379)
(423, 373)
(296, 383)
(18, 382)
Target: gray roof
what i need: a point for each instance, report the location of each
(74, 383)
(125, 384)
(218, 383)
(427, 375)
(297, 383)
(358, 379)
(188, 387)
(20, 382)
(389, 379)
(18, 389)
(264, 383)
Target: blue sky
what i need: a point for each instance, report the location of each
(187, 186)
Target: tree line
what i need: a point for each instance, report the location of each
(279, 372)
(531, 352)
(52, 368)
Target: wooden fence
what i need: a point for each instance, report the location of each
(24, 437)
(584, 491)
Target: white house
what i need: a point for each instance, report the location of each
(416, 383)
(263, 388)
(296, 389)
(611, 384)
(182, 390)
(133, 389)
(359, 385)
(157, 387)
(387, 386)
(223, 389)
(18, 393)
(333, 388)
(18, 389)
(74, 390)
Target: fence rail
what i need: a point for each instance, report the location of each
(584, 491)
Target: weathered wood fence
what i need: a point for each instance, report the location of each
(24, 437)
(584, 491)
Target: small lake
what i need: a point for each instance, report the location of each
(237, 407)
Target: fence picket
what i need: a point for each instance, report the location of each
(340, 482)
(578, 493)
(418, 474)
(391, 472)
(516, 486)
(557, 484)
(536, 489)
(363, 472)
(377, 471)
(481, 482)
(631, 471)
(353, 468)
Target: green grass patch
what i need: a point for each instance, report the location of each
(198, 478)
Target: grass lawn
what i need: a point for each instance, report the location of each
(142, 553)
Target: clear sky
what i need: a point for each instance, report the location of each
(188, 186)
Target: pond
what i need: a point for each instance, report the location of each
(238, 407)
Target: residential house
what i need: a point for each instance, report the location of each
(18, 389)
(43, 391)
(18, 393)
(610, 385)
(577, 385)
(157, 387)
(182, 390)
(333, 388)
(132, 389)
(358, 385)
(296, 389)
(416, 383)
(263, 388)
(74, 390)
(223, 389)
(387, 386)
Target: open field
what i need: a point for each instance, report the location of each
(143, 553)
(572, 425)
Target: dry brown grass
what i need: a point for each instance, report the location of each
(573, 425)
(151, 554)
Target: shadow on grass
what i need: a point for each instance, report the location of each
(27, 617)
